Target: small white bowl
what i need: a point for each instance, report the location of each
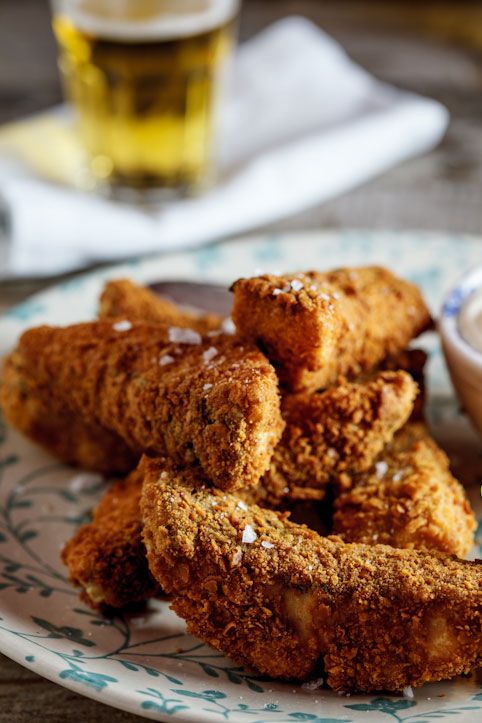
(463, 360)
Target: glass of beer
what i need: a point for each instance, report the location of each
(145, 78)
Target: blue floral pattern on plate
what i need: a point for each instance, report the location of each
(146, 663)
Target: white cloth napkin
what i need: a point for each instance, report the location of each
(303, 124)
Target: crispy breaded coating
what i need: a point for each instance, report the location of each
(107, 558)
(426, 510)
(316, 326)
(165, 390)
(414, 362)
(322, 432)
(387, 405)
(31, 407)
(342, 429)
(408, 499)
(280, 599)
(122, 299)
(353, 421)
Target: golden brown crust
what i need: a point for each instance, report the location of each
(31, 408)
(414, 362)
(317, 326)
(323, 431)
(377, 618)
(214, 403)
(354, 420)
(107, 558)
(122, 299)
(342, 429)
(426, 509)
(408, 499)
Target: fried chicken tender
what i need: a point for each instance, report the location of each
(280, 599)
(213, 403)
(122, 299)
(408, 499)
(107, 558)
(31, 407)
(315, 326)
(342, 429)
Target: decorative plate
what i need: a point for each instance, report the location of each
(146, 663)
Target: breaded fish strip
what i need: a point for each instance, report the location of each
(316, 326)
(408, 499)
(122, 299)
(355, 421)
(107, 558)
(213, 403)
(280, 599)
(342, 429)
(31, 408)
(412, 361)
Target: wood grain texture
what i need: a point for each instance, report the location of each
(26, 697)
(433, 48)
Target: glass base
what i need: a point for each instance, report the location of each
(151, 194)
(143, 196)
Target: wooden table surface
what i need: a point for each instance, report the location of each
(433, 48)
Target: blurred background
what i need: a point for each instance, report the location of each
(433, 48)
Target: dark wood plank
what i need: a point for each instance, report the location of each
(26, 697)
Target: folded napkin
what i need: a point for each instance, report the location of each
(303, 123)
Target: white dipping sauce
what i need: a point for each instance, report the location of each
(470, 320)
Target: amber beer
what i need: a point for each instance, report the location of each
(144, 77)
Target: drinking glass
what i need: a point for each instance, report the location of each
(145, 79)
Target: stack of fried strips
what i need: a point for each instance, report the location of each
(314, 402)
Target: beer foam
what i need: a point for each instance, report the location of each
(179, 19)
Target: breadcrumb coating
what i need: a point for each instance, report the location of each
(354, 420)
(323, 431)
(423, 509)
(279, 599)
(408, 499)
(122, 299)
(414, 362)
(342, 429)
(107, 558)
(316, 326)
(166, 391)
(30, 407)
